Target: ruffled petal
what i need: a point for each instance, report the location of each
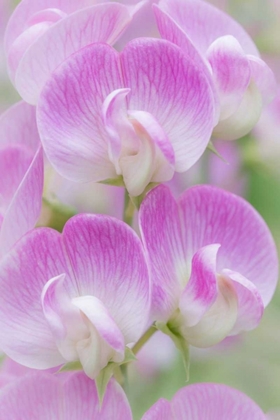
(166, 84)
(99, 23)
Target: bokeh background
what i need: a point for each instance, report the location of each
(251, 362)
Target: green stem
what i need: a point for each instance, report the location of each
(129, 209)
(143, 340)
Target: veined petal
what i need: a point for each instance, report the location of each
(109, 263)
(211, 215)
(81, 400)
(25, 335)
(26, 9)
(204, 23)
(99, 23)
(35, 396)
(250, 304)
(25, 206)
(160, 228)
(217, 323)
(171, 31)
(18, 126)
(202, 288)
(214, 401)
(166, 83)
(70, 114)
(99, 316)
(231, 72)
(161, 410)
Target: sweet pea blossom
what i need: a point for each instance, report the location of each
(206, 401)
(21, 181)
(42, 396)
(242, 82)
(42, 34)
(214, 262)
(82, 295)
(134, 117)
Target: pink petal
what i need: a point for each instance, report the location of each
(36, 396)
(99, 316)
(160, 227)
(204, 23)
(214, 401)
(108, 261)
(25, 206)
(18, 126)
(172, 32)
(70, 109)
(81, 400)
(264, 78)
(231, 72)
(166, 84)
(25, 335)
(211, 215)
(100, 23)
(161, 410)
(250, 304)
(201, 290)
(26, 9)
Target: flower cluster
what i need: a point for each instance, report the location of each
(81, 293)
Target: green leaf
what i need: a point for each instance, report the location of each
(180, 342)
(129, 356)
(71, 366)
(103, 379)
(213, 149)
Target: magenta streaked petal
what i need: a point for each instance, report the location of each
(82, 400)
(70, 109)
(99, 23)
(231, 72)
(202, 289)
(161, 410)
(25, 335)
(211, 215)
(108, 262)
(183, 104)
(250, 304)
(171, 31)
(22, 16)
(214, 401)
(204, 23)
(99, 316)
(160, 227)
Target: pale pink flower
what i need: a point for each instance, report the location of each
(206, 401)
(41, 34)
(82, 295)
(137, 116)
(213, 260)
(41, 396)
(21, 181)
(243, 83)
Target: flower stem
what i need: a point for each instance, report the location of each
(143, 340)
(129, 209)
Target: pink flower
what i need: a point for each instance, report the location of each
(78, 296)
(42, 34)
(139, 115)
(214, 262)
(206, 401)
(21, 181)
(243, 83)
(44, 396)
